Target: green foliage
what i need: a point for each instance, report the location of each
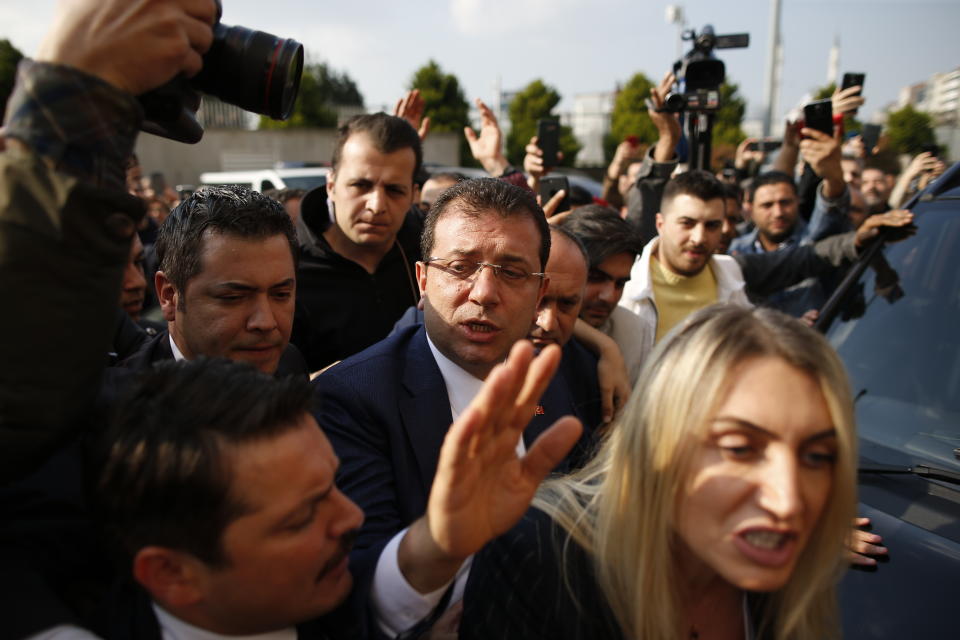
(726, 122)
(629, 117)
(321, 91)
(9, 58)
(444, 103)
(534, 102)
(908, 130)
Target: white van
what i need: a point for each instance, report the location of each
(261, 180)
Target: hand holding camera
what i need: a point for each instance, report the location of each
(134, 45)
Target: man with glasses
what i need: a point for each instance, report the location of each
(387, 409)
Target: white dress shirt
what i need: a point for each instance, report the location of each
(173, 628)
(397, 605)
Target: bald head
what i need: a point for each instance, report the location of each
(567, 269)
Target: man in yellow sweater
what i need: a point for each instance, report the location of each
(678, 271)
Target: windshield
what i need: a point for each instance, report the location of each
(304, 182)
(899, 334)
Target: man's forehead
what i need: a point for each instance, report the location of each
(565, 285)
(774, 191)
(688, 206)
(360, 154)
(474, 232)
(279, 468)
(225, 246)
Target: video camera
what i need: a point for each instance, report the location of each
(251, 69)
(700, 73)
(699, 76)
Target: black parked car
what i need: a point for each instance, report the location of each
(895, 321)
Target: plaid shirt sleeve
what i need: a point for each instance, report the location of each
(83, 125)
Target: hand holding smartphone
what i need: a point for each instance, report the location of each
(549, 186)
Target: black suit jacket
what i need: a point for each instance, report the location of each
(157, 349)
(529, 584)
(386, 412)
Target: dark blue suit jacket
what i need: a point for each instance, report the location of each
(386, 412)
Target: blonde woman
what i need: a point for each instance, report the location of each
(716, 509)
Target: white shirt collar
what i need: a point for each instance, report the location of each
(177, 355)
(461, 386)
(173, 628)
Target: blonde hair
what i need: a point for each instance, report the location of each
(620, 507)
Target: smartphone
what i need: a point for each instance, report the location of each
(633, 141)
(819, 115)
(549, 186)
(548, 139)
(932, 149)
(765, 145)
(853, 80)
(871, 137)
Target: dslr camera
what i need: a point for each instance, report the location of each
(251, 69)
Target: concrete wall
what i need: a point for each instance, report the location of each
(237, 150)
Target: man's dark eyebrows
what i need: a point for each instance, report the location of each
(289, 282)
(826, 433)
(234, 286)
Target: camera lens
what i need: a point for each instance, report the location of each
(253, 70)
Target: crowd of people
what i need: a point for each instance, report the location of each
(340, 420)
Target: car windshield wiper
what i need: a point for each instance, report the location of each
(919, 470)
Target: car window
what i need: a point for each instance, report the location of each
(304, 182)
(899, 334)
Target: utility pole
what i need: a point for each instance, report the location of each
(772, 90)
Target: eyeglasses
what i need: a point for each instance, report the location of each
(462, 269)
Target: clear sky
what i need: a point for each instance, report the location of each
(581, 46)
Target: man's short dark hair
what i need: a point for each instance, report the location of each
(702, 185)
(451, 176)
(732, 191)
(768, 178)
(603, 232)
(579, 196)
(230, 210)
(566, 233)
(481, 195)
(166, 469)
(388, 134)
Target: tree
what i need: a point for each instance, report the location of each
(629, 117)
(908, 130)
(443, 103)
(726, 122)
(9, 58)
(534, 102)
(322, 90)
